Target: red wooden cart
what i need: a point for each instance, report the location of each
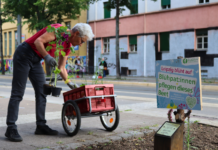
(90, 101)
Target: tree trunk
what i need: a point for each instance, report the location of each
(1, 48)
(117, 40)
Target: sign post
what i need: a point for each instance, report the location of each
(178, 87)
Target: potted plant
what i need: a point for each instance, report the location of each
(62, 35)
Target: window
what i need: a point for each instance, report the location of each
(165, 4)
(106, 45)
(107, 13)
(10, 44)
(5, 43)
(132, 72)
(203, 1)
(68, 24)
(165, 42)
(15, 39)
(135, 6)
(124, 55)
(202, 39)
(133, 43)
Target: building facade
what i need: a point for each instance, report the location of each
(9, 41)
(158, 30)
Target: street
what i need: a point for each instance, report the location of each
(137, 106)
(136, 98)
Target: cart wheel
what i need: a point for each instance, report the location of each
(71, 118)
(110, 120)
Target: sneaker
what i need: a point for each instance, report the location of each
(45, 130)
(13, 135)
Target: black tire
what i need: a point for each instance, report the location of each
(74, 115)
(116, 122)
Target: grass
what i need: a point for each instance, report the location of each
(156, 125)
(60, 142)
(126, 132)
(196, 121)
(146, 127)
(43, 148)
(128, 110)
(90, 133)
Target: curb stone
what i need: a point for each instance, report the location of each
(136, 134)
(115, 138)
(119, 137)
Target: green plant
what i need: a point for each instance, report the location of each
(72, 75)
(90, 147)
(156, 125)
(126, 132)
(146, 127)
(90, 133)
(139, 138)
(60, 142)
(61, 35)
(128, 110)
(196, 121)
(188, 137)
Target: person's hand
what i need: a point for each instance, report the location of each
(50, 61)
(72, 85)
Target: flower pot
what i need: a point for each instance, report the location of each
(55, 91)
(47, 89)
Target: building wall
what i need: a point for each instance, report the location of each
(178, 43)
(150, 55)
(184, 3)
(135, 61)
(193, 18)
(212, 42)
(180, 22)
(153, 6)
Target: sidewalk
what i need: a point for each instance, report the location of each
(207, 84)
(132, 119)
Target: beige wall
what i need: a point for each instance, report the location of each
(12, 27)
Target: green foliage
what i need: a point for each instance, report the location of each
(57, 71)
(72, 50)
(63, 53)
(48, 48)
(188, 137)
(40, 13)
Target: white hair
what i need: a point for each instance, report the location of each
(84, 30)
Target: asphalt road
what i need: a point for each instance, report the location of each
(134, 97)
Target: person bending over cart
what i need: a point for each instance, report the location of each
(27, 64)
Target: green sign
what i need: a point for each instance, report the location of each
(168, 129)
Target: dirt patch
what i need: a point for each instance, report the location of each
(205, 138)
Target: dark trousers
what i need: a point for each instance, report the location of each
(104, 73)
(26, 63)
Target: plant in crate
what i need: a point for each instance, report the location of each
(61, 35)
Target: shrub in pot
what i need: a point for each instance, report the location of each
(62, 35)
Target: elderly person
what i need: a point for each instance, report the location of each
(27, 64)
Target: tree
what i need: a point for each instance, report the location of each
(116, 4)
(6, 18)
(41, 13)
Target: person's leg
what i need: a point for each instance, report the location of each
(104, 73)
(20, 73)
(37, 78)
(21, 69)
